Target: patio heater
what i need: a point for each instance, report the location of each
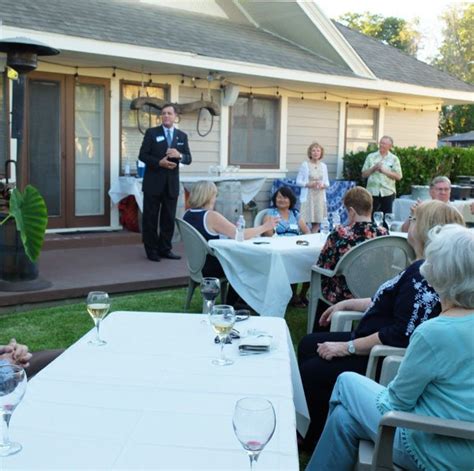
(18, 272)
(22, 56)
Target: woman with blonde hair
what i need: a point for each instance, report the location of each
(213, 225)
(390, 317)
(313, 180)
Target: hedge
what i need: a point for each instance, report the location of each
(419, 165)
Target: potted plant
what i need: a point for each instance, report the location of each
(22, 231)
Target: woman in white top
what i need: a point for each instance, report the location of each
(313, 178)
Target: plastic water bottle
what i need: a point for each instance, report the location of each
(239, 233)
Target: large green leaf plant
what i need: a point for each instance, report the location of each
(31, 216)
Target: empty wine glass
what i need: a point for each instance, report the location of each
(12, 390)
(210, 289)
(222, 319)
(98, 305)
(378, 218)
(389, 218)
(254, 424)
(324, 226)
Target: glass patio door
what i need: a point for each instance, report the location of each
(67, 148)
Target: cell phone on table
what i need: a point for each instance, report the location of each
(261, 242)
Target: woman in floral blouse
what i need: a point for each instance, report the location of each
(397, 308)
(358, 203)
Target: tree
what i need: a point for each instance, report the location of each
(456, 56)
(390, 30)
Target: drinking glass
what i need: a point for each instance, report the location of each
(254, 424)
(98, 305)
(378, 218)
(210, 289)
(389, 218)
(222, 319)
(12, 390)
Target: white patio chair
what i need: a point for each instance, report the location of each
(378, 456)
(258, 220)
(196, 249)
(365, 267)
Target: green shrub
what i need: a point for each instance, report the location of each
(419, 165)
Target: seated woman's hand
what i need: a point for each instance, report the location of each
(20, 354)
(271, 222)
(330, 350)
(325, 318)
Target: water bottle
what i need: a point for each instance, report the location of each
(336, 220)
(239, 233)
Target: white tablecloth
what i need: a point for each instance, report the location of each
(401, 208)
(125, 186)
(262, 274)
(151, 399)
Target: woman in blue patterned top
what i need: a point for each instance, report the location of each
(436, 377)
(398, 307)
(290, 224)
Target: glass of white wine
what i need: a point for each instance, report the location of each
(222, 319)
(98, 305)
(12, 389)
(389, 218)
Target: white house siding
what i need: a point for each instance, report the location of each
(205, 150)
(309, 121)
(411, 127)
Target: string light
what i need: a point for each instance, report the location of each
(277, 88)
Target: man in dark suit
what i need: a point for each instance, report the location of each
(163, 148)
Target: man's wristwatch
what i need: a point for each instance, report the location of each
(351, 347)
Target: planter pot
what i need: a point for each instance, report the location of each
(421, 192)
(461, 192)
(14, 263)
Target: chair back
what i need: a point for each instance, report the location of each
(195, 248)
(258, 220)
(369, 264)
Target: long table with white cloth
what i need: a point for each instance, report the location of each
(151, 399)
(261, 270)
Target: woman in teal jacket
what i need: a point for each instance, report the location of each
(436, 377)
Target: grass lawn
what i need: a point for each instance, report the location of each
(60, 326)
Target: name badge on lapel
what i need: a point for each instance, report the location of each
(160, 138)
(179, 143)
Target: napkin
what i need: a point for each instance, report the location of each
(256, 344)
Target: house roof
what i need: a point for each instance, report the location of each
(150, 25)
(145, 24)
(465, 136)
(389, 63)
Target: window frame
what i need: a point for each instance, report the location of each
(123, 82)
(250, 166)
(376, 124)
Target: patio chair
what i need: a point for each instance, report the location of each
(378, 456)
(258, 220)
(365, 267)
(196, 249)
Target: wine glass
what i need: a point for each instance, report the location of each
(12, 390)
(324, 226)
(98, 305)
(222, 319)
(254, 424)
(389, 218)
(210, 289)
(378, 218)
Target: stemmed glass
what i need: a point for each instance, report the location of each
(254, 424)
(378, 218)
(98, 305)
(12, 390)
(210, 289)
(222, 319)
(389, 218)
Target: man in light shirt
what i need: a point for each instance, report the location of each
(382, 170)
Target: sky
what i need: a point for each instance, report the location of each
(430, 25)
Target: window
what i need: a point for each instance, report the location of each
(131, 138)
(361, 128)
(4, 138)
(254, 132)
